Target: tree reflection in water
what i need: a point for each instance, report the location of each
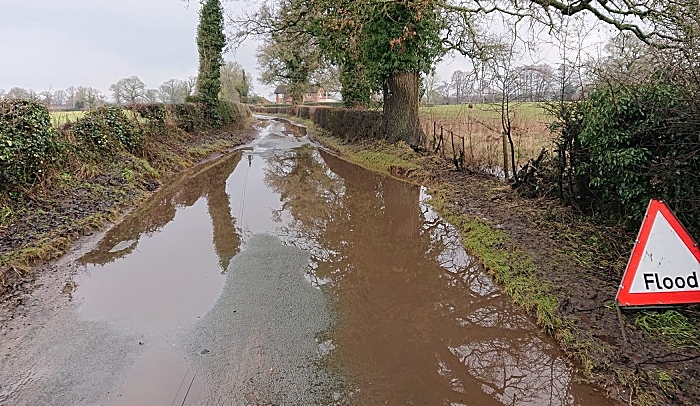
(209, 182)
(418, 322)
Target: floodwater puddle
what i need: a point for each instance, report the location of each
(417, 320)
(281, 274)
(170, 278)
(177, 383)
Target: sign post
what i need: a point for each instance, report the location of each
(664, 267)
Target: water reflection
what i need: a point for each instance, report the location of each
(209, 182)
(185, 236)
(417, 321)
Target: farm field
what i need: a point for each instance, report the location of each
(480, 127)
(58, 118)
(530, 110)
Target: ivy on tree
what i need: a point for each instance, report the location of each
(384, 45)
(210, 42)
(378, 46)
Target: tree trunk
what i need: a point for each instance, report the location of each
(400, 119)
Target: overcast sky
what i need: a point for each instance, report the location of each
(61, 43)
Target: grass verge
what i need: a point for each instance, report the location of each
(670, 326)
(511, 267)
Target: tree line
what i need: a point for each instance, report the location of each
(531, 83)
(235, 87)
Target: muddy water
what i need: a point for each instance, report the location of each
(283, 275)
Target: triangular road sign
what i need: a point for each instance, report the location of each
(664, 267)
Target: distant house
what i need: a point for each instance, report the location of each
(313, 95)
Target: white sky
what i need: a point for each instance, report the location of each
(61, 43)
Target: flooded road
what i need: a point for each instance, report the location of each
(281, 275)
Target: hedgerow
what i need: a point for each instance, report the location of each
(28, 143)
(108, 129)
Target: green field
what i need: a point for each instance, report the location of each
(58, 118)
(524, 110)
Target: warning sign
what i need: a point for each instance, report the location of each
(665, 264)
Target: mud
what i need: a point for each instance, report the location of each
(281, 275)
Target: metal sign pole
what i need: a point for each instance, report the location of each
(622, 323)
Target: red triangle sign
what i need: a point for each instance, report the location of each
(664, 267)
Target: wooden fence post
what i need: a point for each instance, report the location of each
(442, 143)
(434, 131)
(505, 156)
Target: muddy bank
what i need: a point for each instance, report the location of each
(574, 265)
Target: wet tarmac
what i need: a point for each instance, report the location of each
(281, 275)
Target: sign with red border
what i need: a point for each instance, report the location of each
(664, 267)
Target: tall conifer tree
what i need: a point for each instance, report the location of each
(211, 41)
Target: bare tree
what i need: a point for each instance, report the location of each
(445, 91)
(47, 97)
(430, 82)
(191, 85)
(536, 82)
(664, 23)
(128, 90)
(173, 91)
(150, 96)
(70, 97)
(60, 97)
(18, 93)
(462, 86)
(86, 97)
(627, 59)
(457, 85)
(499, 68)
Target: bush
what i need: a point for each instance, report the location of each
(228, 113)
(187, 116)
(628, 144)
(28, 142)
(192, 117)
(155, 113)
(108, 129)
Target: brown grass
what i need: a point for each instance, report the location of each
(476, 130)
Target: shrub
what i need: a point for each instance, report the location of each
(28, 142)
(630, 143)
(155, 113)
(192, 117)
(187, 116)
(227, 113)
(108, 129)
